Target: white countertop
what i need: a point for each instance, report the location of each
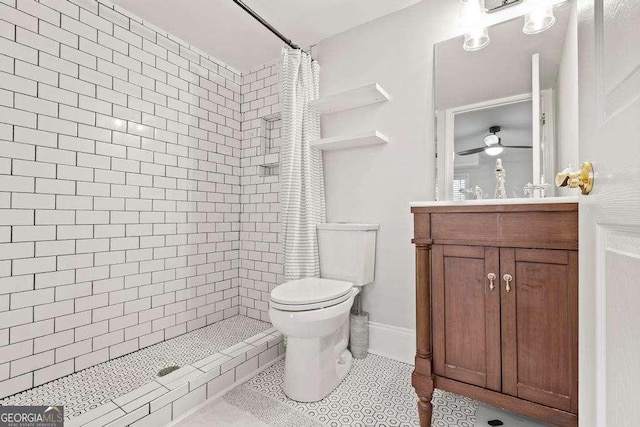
(489, 202)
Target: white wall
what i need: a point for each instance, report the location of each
(376, 184)
(567, 102)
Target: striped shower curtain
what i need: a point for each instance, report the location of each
(301, 175)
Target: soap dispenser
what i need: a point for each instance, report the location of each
(501, 178)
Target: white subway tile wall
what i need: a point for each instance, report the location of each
(120, 190)
(261, 256)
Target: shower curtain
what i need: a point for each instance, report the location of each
(301, 175)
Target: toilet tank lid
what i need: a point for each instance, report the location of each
(346, 226)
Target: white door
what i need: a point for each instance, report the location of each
(609, 357)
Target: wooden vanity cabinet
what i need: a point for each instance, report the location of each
(513, 346)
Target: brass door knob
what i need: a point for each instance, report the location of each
(582, 179)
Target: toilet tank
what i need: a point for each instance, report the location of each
(347, 252)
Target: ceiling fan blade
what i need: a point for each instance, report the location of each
(516, 146)
(472, 151)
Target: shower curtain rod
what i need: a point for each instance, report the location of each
(266, 24)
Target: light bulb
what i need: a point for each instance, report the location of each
(492, 139)
(493, 151)
(538, 20)
(476, 39)
(471, 14)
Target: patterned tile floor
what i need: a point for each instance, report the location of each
(377, 392)
(95, 386)
(453, 410)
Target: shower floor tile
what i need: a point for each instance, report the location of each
(92, 387)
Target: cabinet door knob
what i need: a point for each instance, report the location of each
(507, 280)
(491, 277)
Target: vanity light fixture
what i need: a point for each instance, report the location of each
(472, 21)
(538, 20)
(476, 39)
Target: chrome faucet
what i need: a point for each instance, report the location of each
(529, 189)
(474, 193)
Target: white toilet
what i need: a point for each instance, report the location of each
(313, 313)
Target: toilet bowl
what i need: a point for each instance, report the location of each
(317, 334)
(313, 313)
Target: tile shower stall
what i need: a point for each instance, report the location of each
(138, 189)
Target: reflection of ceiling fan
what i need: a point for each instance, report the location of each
(493, 144)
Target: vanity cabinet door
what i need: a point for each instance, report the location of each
(466, 314)
(539, 326)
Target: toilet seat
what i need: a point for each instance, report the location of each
(311, 293)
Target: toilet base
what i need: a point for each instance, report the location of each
(315, 366)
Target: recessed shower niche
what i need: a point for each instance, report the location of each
(270, 135)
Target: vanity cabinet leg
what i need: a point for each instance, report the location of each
(422, 378)
(425, 409)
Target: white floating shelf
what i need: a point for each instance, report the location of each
(359, 140)
(353, 98)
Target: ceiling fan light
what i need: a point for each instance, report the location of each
(493, 151)
(491, 139)
(476, 39)
(538, 20)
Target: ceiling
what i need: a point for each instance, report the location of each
(515, 120)
(222, 29)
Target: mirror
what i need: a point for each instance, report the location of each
(513, 100)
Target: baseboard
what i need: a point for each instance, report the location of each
(392, 342)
